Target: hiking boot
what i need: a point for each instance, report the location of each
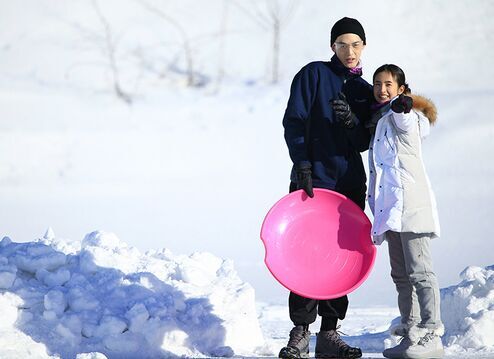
(298, 344)
(330, 345)
(399, 350)
(429, 346)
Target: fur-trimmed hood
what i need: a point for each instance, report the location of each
(426, 106)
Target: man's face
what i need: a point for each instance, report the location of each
(348, 48)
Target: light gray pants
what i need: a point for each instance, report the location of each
(416, 283)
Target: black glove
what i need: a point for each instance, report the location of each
(342, 111)
(304, 179)
(403, 104)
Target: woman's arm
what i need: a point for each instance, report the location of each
(405, 121)
(403, 115)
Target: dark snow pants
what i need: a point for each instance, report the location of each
(303, 311)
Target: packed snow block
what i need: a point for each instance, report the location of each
(235, 304)
(52, 279)
(199, 268)
(67, 336)
(33, 256)
(96, 247)
(137, 317)
(101, 239)
(467, 310)
(228, 298)
(110, 325)
(50, 315)
(175, 341)
(7, 273)
(94, 355)
(80, 299)
(124, 343)
(9, 304)
(5, 241)
(13, 342)
(49, 234)
(55, 301)
(86, 262)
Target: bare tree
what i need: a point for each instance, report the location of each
(110, 48)
(272, 18)
(222, 48)
(185, 40)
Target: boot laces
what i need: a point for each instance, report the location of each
(334, 336)
(339, 331)
(296, 335)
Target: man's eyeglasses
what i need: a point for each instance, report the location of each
(357, 45)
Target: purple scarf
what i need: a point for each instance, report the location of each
(376, 106)
(377, 110)
(357, 70)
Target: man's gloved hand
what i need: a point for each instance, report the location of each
(401, 104)
(342, 111)
(304, 179)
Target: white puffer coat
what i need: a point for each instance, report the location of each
(400, 195)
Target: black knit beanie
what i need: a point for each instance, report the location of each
(347, 25)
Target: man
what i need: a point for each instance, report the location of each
(324, 130)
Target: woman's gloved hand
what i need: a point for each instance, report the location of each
(402, 103)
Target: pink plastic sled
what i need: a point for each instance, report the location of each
(318, 247)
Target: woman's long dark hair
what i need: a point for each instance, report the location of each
(397, 74)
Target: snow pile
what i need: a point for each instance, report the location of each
(14, 343)
(102, 296)
(468, 311)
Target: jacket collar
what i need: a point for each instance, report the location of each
(341, 70)
(378, 111)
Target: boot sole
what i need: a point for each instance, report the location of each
(395, 356)
(293, 356)
(436, 354)
(304, 356)
(330, 356)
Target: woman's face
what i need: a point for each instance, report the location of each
(348, 48)
(386, 87)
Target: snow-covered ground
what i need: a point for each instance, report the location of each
(102, 297)
(194, 170)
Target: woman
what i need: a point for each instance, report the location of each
(404, 208)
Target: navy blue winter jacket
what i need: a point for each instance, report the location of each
(313, 134)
